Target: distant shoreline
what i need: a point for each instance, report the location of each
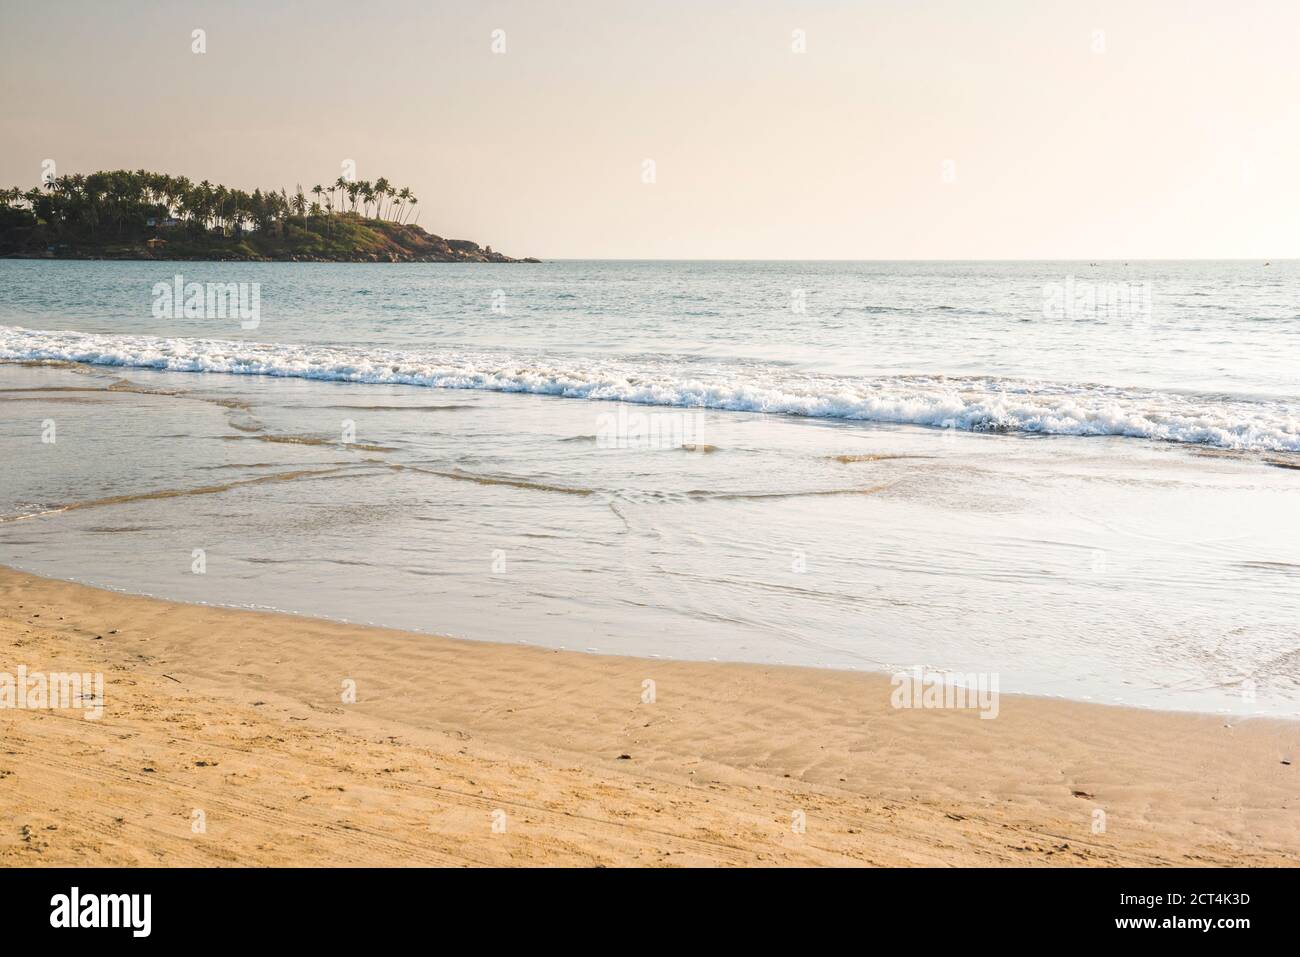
(145, 256)
(361, 241)
(142, 216)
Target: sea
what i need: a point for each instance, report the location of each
(1082, 478)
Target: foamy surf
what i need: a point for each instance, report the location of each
(977, 404)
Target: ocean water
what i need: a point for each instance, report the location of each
(1083, 478)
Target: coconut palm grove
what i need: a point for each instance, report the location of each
(121, 214)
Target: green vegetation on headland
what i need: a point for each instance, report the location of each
(141, 215)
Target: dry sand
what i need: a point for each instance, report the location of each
(238, 715)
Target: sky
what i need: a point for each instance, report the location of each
(804, 129)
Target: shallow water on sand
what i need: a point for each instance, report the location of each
(1106, 568)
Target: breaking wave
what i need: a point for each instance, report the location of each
(978, 404)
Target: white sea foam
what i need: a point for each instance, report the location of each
(967, 403)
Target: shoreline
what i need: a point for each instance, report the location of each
(359, 260)
(885, 675)
(238, 715)
(884, 476)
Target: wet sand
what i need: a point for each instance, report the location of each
(225, 741)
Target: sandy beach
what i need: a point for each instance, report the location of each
(225, 740)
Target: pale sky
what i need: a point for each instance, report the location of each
(1175, 133)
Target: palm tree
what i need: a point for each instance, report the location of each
(382, 189)
(219, 197)
(204, 202)
(402, 195)
(403, 198)
(72, 204)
